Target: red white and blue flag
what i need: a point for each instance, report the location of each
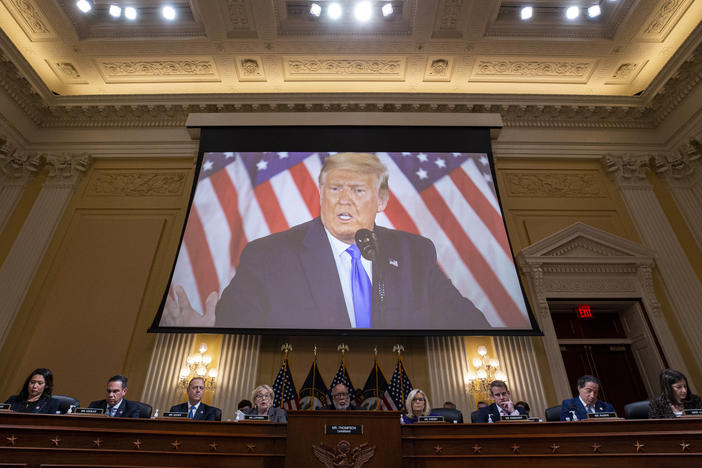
(284, 388)
(449, 198)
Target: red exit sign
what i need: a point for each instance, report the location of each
(584, 311)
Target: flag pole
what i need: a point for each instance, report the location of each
(314, 377)
(285, 348)
(377, 390)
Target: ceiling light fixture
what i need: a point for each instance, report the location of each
(334, 11)
(387, 9)
(594, 11)
(527, 13)
(168, 12)
(84, 5)
(115, 11)
(363, 11)
(572, 12)
(315, 10)
(130, 13)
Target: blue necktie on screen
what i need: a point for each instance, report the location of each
(360, 288)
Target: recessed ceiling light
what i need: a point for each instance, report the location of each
(168, 12)
(572, 12)
(115, 11)
(363, 11)
(84, 5)
(130, 13)
(315, 10)
(526, 13)
(334, 11)
(387, 9)
(594, 11)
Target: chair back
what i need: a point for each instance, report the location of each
(218, 414)
(65, 402)
(553, 413)
(637, 410)
(449, 414)
(144, 410)
(474, 416)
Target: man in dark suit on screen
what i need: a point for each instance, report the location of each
(195, 408)
(313, 275)
(115, 405)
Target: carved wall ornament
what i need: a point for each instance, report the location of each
(682, 168)
(628, 170)
(626, 72)
(31, 19)
(663, 19)
(449, 14)
(583, 247)
(588, 268)
(438, 69)
(314, 68)
(565, 70)
(592, 285)
(158, 70)
(66, 71)
(343, 455)
(18, 167)
(250, 69)
(136, 184)
(554, 185)
(66, 169)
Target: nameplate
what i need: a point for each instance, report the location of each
(430, 419)
(89, 411)
(175, 414)
(5, 406)
(516, 417)
(330, 429)
(256, 417)
(693, 412)
(602, 415)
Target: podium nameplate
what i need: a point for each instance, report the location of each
(175, 414)
(256, 417)
(602, 415)
(343, 429)
(693, 412)
(5, 406)
(516, 417)
(431, 419)
(88, 411)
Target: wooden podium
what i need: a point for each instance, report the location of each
(343, 438)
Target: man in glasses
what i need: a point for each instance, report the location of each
(340, 399)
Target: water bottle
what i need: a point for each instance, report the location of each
(574, 416)
(490, 418)
(71, 409)
(155, 414)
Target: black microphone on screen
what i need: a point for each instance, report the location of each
(367, 243)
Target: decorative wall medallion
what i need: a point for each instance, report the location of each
(301, 68)
(663, 20)
(31, 19)
(626, 72)
(438, 69)
(343, 455)
(66, 71)
(563, 70)
(157, 70)
(249, 69)
(554, 185)
(136, 184)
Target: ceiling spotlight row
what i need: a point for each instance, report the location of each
(130, 12)
(571, 12)
(363, 11)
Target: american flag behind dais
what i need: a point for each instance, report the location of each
(449, 198)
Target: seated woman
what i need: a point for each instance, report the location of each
(675, 397)
(35, 394)
(263, 397)
(417, 405)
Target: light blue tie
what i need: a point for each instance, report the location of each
(112, 410)
(360, 289)
(192, 412)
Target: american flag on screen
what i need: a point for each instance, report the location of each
(284, 389)
(447, 197)
(399, 387)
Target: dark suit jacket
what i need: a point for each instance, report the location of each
(495, 412)
(274, 414)
(204, 412)
(44, 405)
(331, 407)
(600, 407)
(660, 407)
(127, 409)
(289, 280)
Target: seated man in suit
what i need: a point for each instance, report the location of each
(503, 405)
(586, 402)
(114, 404)
(195, 408)
(340, 399)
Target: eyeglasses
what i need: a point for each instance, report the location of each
(417, 399)
(262, 396)
(340, 395)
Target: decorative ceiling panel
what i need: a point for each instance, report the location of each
(157, 69)
(311, 68)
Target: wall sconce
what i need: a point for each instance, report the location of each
(486, 371)
(198, 366)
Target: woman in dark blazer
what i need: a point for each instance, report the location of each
(675, 397)
(35, 394)
(263, 397)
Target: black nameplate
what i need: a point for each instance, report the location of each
(343, 429)
(431, 419)
(610, 414)
(89, 411)
(516, 417)
(693, 412)
(256, 417)
(5, 406)
(175, 414)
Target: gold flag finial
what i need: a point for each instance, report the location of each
(286, 348)
(398, 348)
(375, 351)
(315, 350)
(343, 347)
